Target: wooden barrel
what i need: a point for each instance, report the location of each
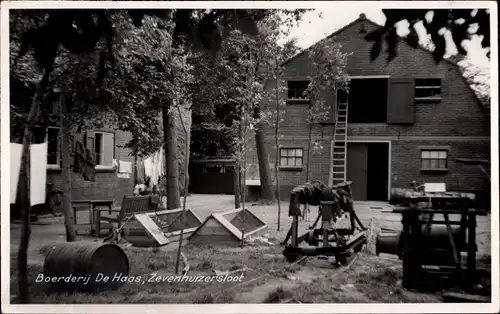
(85, 266)
(398, 195)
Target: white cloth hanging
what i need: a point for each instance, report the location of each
(16, 151)
(38, 171)
(162, 162)
(154, 166)
(148, 167)
(124, 166)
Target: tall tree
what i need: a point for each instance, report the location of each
(245, 62)
(461, 23)
(328, 67)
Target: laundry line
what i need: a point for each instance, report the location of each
(37, 175)
(154, 166)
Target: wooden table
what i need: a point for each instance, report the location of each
(92, 205)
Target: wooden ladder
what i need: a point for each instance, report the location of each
(339, 146)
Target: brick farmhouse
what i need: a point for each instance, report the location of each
(106, 144)
(408, 119)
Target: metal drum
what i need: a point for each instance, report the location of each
(83, 266)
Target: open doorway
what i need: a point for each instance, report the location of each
(368, 168)
(367, 100)
(378, 171)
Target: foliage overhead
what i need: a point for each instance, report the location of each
(81, 31)
(328, 67)
(460, 22)
(240, 70)
(77, 49)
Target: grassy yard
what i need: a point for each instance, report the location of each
(268, 278)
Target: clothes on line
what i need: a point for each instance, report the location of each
(84, 162)
(123, 175)
(16, 151)
(124, 166)
(154, 167)
(38, 171)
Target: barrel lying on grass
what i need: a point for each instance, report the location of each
(77, 266)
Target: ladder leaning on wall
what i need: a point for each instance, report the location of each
(339, 146)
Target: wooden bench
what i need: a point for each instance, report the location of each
(130, 205)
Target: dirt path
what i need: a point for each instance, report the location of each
(260, 293)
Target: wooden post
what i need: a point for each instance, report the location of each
(471, 254)
(411, 261)
(277, 154)
(134, 178)
(236, 184)
(294, 229)
(66, 170)
(23, 199)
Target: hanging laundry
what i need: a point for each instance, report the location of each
(123, 175)
(124, 166)
(84, 163)
(148, 167)
(16, 151)
(124, 169)
(154, 167)
(163, 162)
(38, 171)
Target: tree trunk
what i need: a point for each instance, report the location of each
(277, 160)
(135, 178)
(185, 193)
(244, 156)
(266, 185)
(241, 168)
(237, 186)
(170, 138)
(24, 201)
(69, 219)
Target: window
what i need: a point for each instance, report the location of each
(297, 89)
(434, 159)
(291, 157)
(102, 144)
(53, 144)
(51, 136)
(428, 89)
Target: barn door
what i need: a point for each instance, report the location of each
(357, 169)
(401, 101)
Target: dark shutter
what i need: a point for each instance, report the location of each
(90, 141)
(401, 101)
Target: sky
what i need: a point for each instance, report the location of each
(321, 22)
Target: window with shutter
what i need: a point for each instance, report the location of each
(90, 141)
(401, 101)
(102, 145)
